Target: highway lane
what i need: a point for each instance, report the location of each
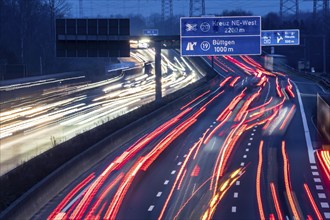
(35, 121)
(236, 152)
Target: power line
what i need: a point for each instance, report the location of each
(167, 9)
(288, 7)
(196, 8)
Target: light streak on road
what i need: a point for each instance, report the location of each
(323, 157)
(287, 183)
(312, 201)
(220, 192)
(276, 201)
(278, 89)
(57, 214)
(37, 83)
(71, 106)
(258, 183)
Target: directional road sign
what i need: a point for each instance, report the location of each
(150, 32)
(208, 36)
(280, 37)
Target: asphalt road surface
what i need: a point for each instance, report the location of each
(242, 150)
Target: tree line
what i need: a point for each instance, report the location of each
(27, 32)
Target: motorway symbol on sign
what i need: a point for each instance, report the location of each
(206, 36)
(280, 37)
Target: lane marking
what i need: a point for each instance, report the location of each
(211, 126)
(233, 209)
(213, 145)
(321, 195)
(249, 144)
(324, 205)
(317, 180)
(251, 139)
(306, 129)
(242, 164)
(315, 173)
(254, 129)
(319, 187)
(307, 95)
(173, 172)
(313, 84)
(238, 183)
(235, 194)
(166, 182)
(185, 155)
(214, 122)
(245, 156)
(179, 163)
(255, 126)
(247, 149)
(151, 208)
(327, 215)
(252, 134)
(159, 194)
(193, 189)
(313, 167)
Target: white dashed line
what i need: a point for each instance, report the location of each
(321, 195)
(244, 156)
(213, 145)
(314, 167)
(214, 122)
(254, 129)
(251, 139)
(211, 126)
(315, 173)
(317, 180)
(151, 208)
(256, 126)
(249, 144)
(173, 172)
(252, 134)
(233, 209)
(324, 205)
(159, 194)
(319, 187)
(185, 155)
(238, 183)
(242, 164)
(236, 195)
(179, 163)
(327, 215)
(247, 149)
(166, 182)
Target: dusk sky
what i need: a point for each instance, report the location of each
(105, 8)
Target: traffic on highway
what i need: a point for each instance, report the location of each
(236, 148)
(52, 111)
(167, 110)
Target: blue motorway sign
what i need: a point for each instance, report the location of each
(150, 32)
(280, 37)
(207, 36)
(213, 46)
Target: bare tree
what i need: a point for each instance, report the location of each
(57, 8)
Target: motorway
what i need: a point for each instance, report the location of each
(36, 116)
(241, 150)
